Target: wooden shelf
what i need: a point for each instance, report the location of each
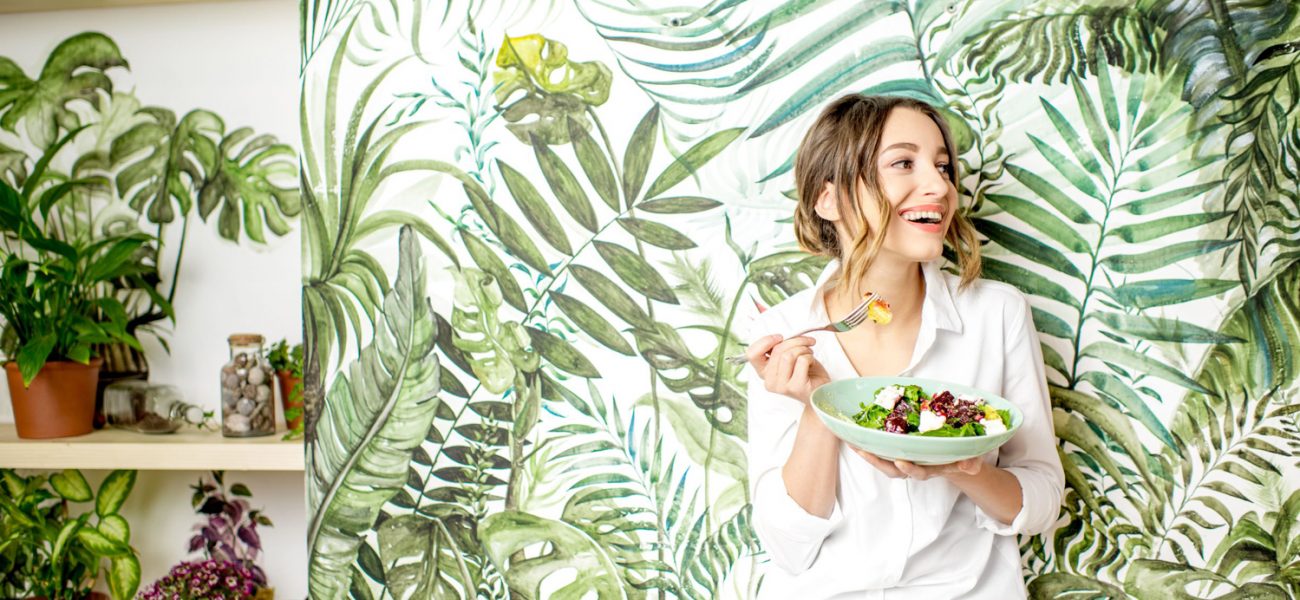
(20, 6)
(186, 450)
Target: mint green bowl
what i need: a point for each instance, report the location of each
(837, 402)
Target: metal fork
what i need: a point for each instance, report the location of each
(856, 317)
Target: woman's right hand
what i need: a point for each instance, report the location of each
(787, 366)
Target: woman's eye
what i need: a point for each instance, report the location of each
(903, 164)
(946, 169)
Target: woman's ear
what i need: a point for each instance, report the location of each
(827, 207)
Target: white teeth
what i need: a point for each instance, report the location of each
(919, 215)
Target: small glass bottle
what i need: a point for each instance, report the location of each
(148, 408)
(247, 408)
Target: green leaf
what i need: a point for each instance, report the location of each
(565, 186)
(113, 491)
(1151, 204)
(1027, 247)
(252, 176)
(1027, 281)
(568, 552)
(1042, 222)
(678, 205)
(594, 163)
(1137, 408)
(636, 159)
(561, 353)
(1069, 135)
(1150, 230)
(1060, 584)
(612, 296)
(1053, 359)
(370, 422)
(488, 260)
(1050, 324)
(837, 76)
(99, 544)
(1116, 426)
(1163, 292)
(691, 160)
(422, 560)
(32, 356)
(636, 272)
(1077, 177)
(656, 234)
(1053, 196)
(1159, 329)
(1098, 134)
(591, 322)
(1163, 257)
(507, 230)
(811, 46)
(74, 70)
(1141, 363)
(535, 209)
(116, 528)
(704, 444)
(123, 576)
(71, 486)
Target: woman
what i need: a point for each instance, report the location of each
(877, 184)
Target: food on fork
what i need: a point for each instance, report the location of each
(878, 311)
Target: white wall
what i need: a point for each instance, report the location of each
(240, 60)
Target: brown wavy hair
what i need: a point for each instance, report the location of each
(842, 148)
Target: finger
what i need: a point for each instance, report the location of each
(776, 376)
(757, 352)
(912, 470)
(802, 341)
(799, 372)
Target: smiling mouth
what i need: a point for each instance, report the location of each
(924, 217)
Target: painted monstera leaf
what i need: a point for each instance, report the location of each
(374, 417)
(75, 70)
(254, 181)
(554, 87)
(160, 160)
(511, 539)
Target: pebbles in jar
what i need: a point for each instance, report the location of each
(246, 399)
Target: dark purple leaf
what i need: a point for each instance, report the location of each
(217, 521)
(250, 537)
(196, 542)
(212, 506)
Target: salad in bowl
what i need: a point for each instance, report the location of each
(925, 421)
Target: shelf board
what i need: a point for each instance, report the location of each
(21, 6)
(186, 450)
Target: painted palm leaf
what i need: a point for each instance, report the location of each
(75, 70)
(372, 420)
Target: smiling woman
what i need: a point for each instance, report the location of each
(878, 195)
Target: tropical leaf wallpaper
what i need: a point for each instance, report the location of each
(532, 231)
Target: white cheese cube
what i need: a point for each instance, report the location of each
(994, 426)
(930, 421)
(889, 396)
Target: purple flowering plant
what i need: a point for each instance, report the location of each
(229, 533)
(207, 580)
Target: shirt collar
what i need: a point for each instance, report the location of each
(938, 308)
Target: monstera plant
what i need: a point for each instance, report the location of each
(123, 168)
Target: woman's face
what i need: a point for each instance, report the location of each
(913, 167)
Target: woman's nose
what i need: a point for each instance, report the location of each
(934, 182)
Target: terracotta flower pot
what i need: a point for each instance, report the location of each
(60, 402)
(290, 395)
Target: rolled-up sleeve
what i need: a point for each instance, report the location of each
(1031, 455)
(791, 535)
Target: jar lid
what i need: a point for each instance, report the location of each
(245, 338)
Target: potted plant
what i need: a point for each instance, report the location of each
(57, 303)
(287, 362)
(132, 168)
(48, 550)
(228, 533)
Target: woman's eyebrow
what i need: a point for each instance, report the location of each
(912, 147)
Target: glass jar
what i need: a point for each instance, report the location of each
(246, 399)
(148, 408)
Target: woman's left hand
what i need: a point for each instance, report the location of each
(902, 468)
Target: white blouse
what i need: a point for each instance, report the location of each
(903, 538)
